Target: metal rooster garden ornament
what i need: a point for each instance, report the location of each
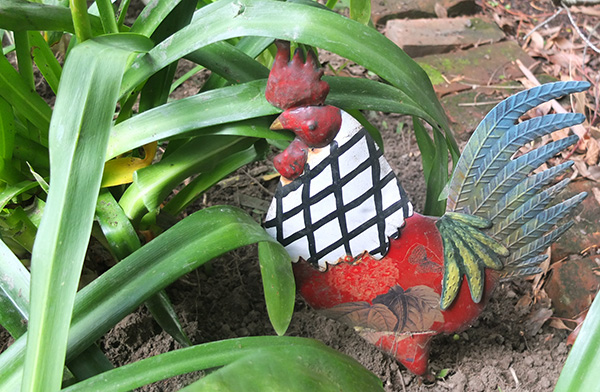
(364, 257)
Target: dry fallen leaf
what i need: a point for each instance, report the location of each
(440, 11)
(562, 43)
(561, 134)
(596, 193)
(593, 151)
(524, 302)
(536, 41)
(559, 324)
(579, 320)
(586, 11)
(566, 60)
(536, 319)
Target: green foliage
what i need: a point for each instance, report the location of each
(92, 132)
(580, 372)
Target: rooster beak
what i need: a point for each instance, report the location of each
(276, 126)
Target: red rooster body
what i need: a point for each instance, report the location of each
(365, 258)
(410, 276)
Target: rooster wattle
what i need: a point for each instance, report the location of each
(364, 257)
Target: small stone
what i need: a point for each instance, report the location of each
(545, 383)
(532, 376)
(458, 381)
(498, 339)
(476, 385)
(504, 363)
(243, 331)
(561, 349)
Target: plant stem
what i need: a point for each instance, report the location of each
(331, 3)
(81, 20)
(123, 12)
(24, 58)
(107, 16)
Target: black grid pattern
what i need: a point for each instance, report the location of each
(324, 215)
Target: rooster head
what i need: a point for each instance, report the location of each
(316, 126)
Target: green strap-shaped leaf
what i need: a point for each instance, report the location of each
(186, 117)
(156, 89)
(25, 102)
(22, 15)
(45, 60)
(120, 234)
(14, 313)
(23, 52)
(123, 240)
(7, 130)
(229, 62)
(434, 155)
(308, 369)
(152, 184)
(78, 137)
(251, 364)
(360, 11)
(278, 280)
(16, 226)
(178, 117)
(234, 18)
(233, 64)
(366, 94)
(207, 179)
(182, 248)
(12, 191)
(14, 293)
(107, 16)
(152, 16)
(33, 153)
(582, 367)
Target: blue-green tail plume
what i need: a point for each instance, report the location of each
(500, 190)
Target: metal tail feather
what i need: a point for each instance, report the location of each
(491, 184)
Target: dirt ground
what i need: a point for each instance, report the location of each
(500, 352)
(508, 348)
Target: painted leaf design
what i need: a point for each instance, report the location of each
(362, 315)
(425, 294)
(416, 308)
(418, 256)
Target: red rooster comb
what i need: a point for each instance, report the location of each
(295, 83)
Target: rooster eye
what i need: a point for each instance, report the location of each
(312, 125)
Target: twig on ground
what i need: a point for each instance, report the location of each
(592, 32)
(569, 3)
(402, 380)
(480, 103)
(583, 37)
(514, 375)
(545, 22)
(261, 186)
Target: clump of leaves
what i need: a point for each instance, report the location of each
(88, 148)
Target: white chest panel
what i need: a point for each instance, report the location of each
(347, 201)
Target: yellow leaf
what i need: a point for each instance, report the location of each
(120, 170)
